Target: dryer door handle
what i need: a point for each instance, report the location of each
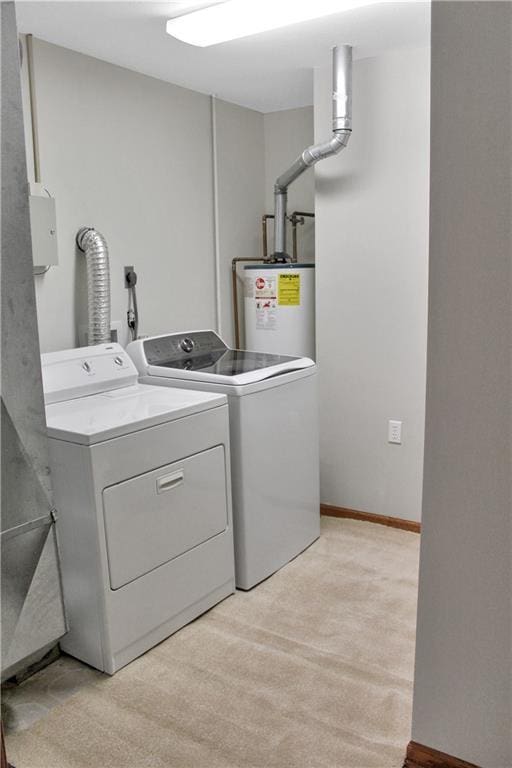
(168, 482)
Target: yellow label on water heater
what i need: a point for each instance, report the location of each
(288, 289)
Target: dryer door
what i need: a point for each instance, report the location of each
(158, 516)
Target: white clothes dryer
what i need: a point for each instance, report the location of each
(142, 491)
(274, 439)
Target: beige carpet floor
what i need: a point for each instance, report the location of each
(311, 669)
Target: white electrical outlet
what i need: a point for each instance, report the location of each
(394, 431)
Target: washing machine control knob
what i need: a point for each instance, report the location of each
(118, 360)
(187, 344)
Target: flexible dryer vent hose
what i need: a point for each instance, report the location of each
(95, 249)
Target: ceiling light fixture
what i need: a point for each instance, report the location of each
(241, 18)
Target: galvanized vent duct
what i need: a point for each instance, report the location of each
(341, 127)
(94, 246)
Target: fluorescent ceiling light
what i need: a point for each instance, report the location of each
(240, 18)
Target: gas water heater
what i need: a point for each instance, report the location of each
(279, 296)
(279, 308)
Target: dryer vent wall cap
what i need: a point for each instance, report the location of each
(80, 236)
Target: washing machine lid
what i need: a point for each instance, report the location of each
(203, 356)
(92, 395)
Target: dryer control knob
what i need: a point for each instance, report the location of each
(187, 344)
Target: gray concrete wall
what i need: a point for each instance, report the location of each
(32, 617)
(462, 686)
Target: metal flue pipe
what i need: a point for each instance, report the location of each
(341, 130)
(95, 249)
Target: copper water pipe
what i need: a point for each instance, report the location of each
(297, 217)
(235, 261)
(294, 218)
(264, 233)
(302, 213)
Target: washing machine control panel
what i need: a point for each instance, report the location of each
(179, 347)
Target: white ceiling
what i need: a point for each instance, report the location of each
(267, 72)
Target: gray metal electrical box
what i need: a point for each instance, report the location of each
(43, 225)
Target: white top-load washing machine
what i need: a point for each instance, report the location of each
(274, 439)
(142, 491)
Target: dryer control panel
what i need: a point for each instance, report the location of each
(85, 371)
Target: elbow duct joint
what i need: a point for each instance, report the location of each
(342, 129)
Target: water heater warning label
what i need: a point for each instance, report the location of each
(265, 287)
(266, 315)
(288, 289)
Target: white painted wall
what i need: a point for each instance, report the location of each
(372, 254)
(241, 181)
(132, 156)
(287, 134)
(463, 677)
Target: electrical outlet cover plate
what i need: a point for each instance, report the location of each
(394, 432)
